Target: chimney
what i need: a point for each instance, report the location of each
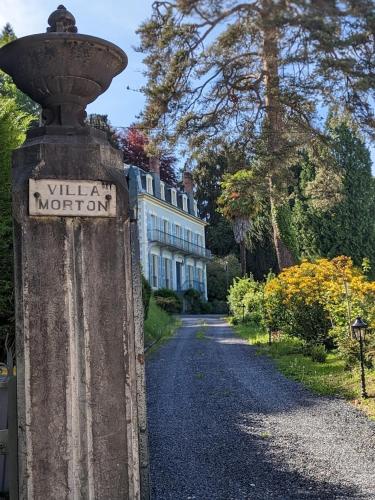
(187, 180)
(154, 169)
(154, 165)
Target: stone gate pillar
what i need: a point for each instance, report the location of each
(79, 353)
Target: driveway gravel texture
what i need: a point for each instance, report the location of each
(225, 424)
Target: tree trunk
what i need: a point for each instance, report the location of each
(283, 254)
(273, 124)
(243, 257)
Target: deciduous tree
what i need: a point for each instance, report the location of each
(135, 146)
(17, 112)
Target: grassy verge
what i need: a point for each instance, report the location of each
(329, 378)
(159, 324)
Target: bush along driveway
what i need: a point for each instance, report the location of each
(224, 423)
(327, 375)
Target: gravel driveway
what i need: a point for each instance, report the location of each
(225, 424)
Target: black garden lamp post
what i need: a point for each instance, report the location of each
(243, 313)
(359, 328)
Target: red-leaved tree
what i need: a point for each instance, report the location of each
(133, 144)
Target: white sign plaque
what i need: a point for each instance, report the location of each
(72, 198)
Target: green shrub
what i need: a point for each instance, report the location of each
(220, 274)
(206, 307)
(146, 295)
(349, 352)
(158, 323)
(219, 307)
(318, 353)
(168, 300)
(249, 293)
(193, 301)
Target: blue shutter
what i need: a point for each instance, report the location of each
(161, 282)
(170, 274)
(150, 270)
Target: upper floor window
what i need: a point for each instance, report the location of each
(162, 190)
(195, 208)
(184, 202)
(149, 187)
(166, 226)
(174, 197)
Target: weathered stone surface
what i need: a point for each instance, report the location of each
(77, 362)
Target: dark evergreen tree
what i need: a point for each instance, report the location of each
(334, 211)
(208, 175)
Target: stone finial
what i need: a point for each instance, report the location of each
(61, 21)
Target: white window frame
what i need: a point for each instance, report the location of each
(190, 273)
(149, 186)
(162, 190)
(200, 274)
(154, 278)
(174, 197)
(184, 203)
(167, 264)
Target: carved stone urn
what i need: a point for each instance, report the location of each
(61, 70)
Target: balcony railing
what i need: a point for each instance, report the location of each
(174, 242)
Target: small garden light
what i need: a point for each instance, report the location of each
(359, 329)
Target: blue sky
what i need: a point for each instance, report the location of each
(114, 20)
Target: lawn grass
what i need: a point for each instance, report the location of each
(159, 324)
(329, 378)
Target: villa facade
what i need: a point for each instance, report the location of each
(171, 234)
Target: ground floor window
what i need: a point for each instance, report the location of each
(154, 270)
(200, 275)
(167, 270)
(190, 275)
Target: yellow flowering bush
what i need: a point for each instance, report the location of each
(317, 301)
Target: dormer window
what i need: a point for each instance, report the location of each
(184, 203)
(195, 208)
(149, 187)
(162, 190)
(174, 197)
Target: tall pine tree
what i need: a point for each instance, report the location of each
(256, 69)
